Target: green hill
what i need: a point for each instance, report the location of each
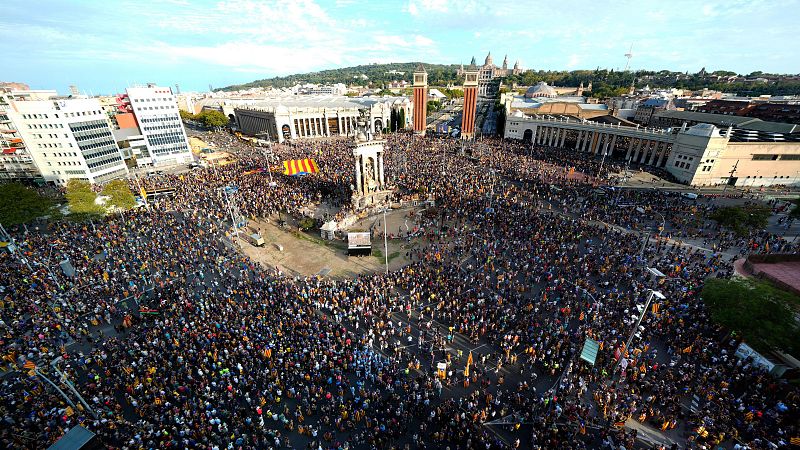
(438, 74)
(606, 83)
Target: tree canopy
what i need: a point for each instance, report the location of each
(742, 219)
(761, 313)
(209, 118)
(120, 195)
(81, 198)
(19, 204)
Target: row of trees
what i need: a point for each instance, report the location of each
(209, 118)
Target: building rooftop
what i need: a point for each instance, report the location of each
(723, 120)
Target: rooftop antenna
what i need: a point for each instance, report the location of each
(628, 55)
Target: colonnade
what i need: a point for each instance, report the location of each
(642, 150)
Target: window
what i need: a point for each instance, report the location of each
(764, 157)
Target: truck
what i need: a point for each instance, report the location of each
(255, 239)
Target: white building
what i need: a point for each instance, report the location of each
(320, 89)
(284, 118)
(69, 138)
(156, 111)
(700, 155)
(16, 162)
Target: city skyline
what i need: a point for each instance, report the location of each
(102, 50)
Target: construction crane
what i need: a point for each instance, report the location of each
(628, 55)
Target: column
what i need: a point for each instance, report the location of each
(613, 145)
(630, 149)
(645, 151)
(380, 170)
(563, 137)
(654, 153)
(325, 124)
(552, 141)
(358, 174)
(663, 155)
(638, 149)
(586, 140)
(535, 134)
(578, 139)
(597, 142)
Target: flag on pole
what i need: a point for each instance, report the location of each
(469, 363)
(300, 166)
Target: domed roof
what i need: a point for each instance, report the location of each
(541, 89)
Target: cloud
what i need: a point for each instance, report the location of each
(423, 41)
(573, 62)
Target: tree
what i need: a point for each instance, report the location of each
(761, 313)
(120, 195)
(307, 223)
(212, 118)
(742, 219)
(19, 205)
(402, 119)
(81, 199)
(186, 115)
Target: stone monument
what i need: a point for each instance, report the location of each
(370, 187)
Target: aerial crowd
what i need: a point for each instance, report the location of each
(174, 339)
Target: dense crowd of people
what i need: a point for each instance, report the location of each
(176, 340)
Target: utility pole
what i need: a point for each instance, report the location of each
(730, 176)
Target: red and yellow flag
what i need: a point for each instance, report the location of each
(298, 166)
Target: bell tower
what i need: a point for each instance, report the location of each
(420, 99)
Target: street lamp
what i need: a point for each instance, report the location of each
(651, 293)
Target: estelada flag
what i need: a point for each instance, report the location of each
(300, 166)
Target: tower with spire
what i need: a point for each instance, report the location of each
(505, 62)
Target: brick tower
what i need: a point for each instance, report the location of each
(470, 102)
(420, 99)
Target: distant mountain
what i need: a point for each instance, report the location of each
(438, 74)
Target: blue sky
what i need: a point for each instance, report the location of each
(102, 46)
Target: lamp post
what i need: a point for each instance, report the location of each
(385, 242)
